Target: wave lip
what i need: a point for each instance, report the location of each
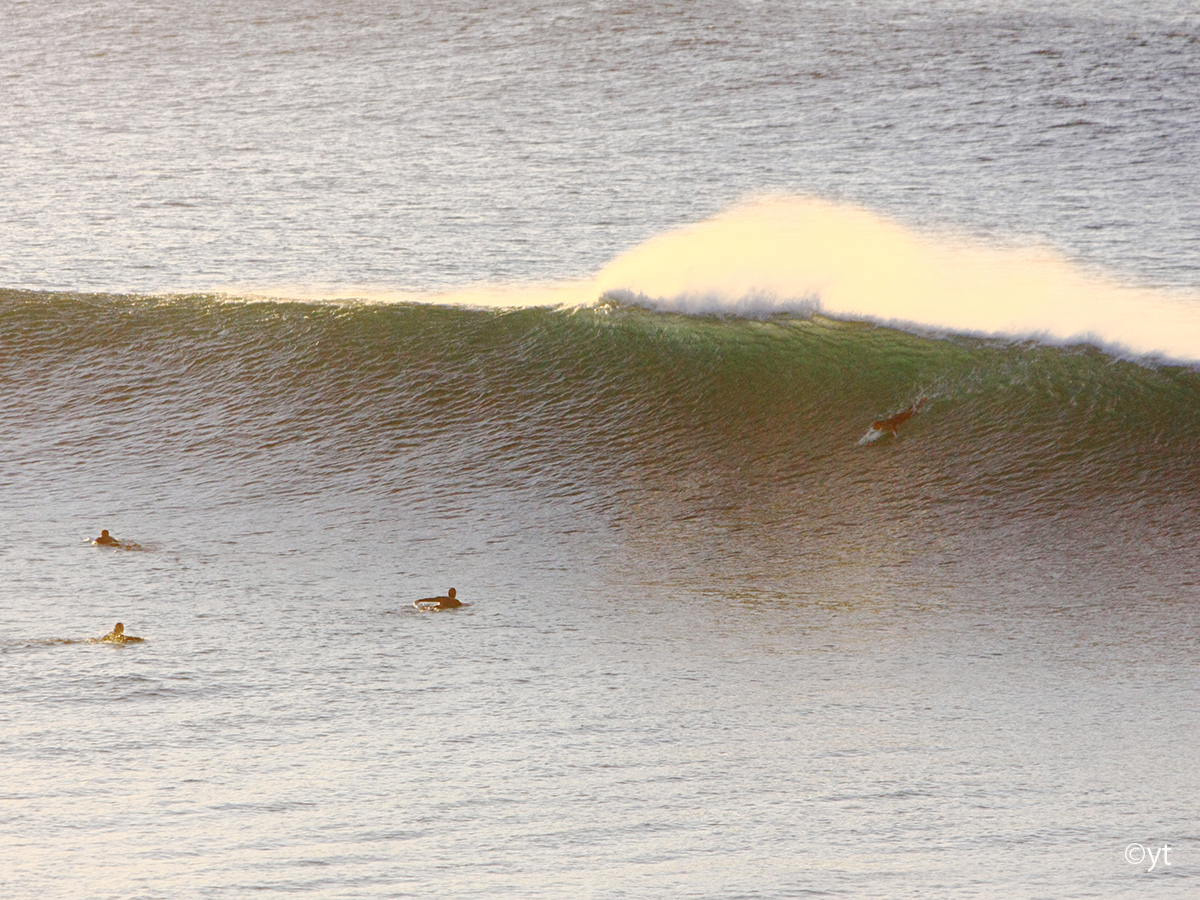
(798, 255)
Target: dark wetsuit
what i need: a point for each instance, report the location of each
(438, 602)
(893, 423)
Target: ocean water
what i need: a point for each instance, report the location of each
(587, 311)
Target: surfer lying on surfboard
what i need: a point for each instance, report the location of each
(447, 602)
(893, 423)
(107, 540)
(116, 636)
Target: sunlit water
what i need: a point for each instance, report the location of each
(289, 730)
(737, 657)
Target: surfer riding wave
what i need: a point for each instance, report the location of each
(890, 425)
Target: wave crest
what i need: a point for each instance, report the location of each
(800, 256)
(788, 254)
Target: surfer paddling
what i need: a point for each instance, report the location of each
(117, 636)
(106, 540)
(447, 602)
(893, 423)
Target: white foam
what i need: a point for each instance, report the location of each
(799, 255)
(873, 434)
(784, 254)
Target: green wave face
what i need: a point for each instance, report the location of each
(727, 445)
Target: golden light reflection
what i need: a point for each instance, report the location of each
(781, 254)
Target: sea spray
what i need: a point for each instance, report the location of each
(797, 255)
(789, 254)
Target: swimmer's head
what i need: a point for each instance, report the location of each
(103, 532)
(118, 628)
(450, 593)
